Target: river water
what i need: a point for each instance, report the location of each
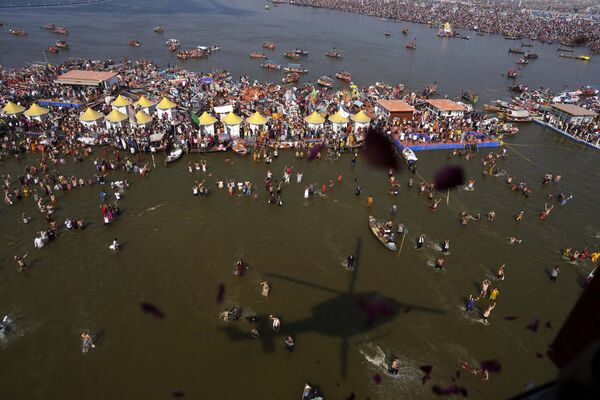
(178, 249)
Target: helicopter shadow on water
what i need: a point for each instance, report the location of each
(346, 315)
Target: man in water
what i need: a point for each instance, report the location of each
(500, 273)
(21, 262)
(512, 240)
(446, 246)
(554, 273)
(266, 288)
(276, 323)
(494, 294)
(439, 263)
(487, 312)
(87, 342)
(394, 366)
(350, 262)
(471, 303)
(420, 241)
(114, 245)
(289, 344)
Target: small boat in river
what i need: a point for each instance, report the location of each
(470, 97)
(409, 155)
(512, 73)
(295, 68)
(344, 76)
(269, 45)
(292, 54)
(411, 46)
(53, 49)
(516, 50)
(325, 81)
(134, 43)
(565, 49)
(333, 53)
(174, 155)
(270, 65)
(292, 77)
(301, 52)
(158, 29)
(17, 32)
(257, 55)
(61, 44)
(385, 236)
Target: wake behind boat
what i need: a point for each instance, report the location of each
(383, 233)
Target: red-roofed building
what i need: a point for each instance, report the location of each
(394, 109)
(445, 108)
(88, 78)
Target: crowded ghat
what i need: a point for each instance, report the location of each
(113, 112)
(513, 19)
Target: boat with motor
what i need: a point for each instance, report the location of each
(325, 81)
(344, 76)
(409, 155)
(383, 234)
(270, 65)
(295, 68)
(300, 52)
(174, 155)
(512, 74)
(333, 53)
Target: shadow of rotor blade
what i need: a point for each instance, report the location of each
(301, 282)
(354, 276)
(411, 307)
(344, 358)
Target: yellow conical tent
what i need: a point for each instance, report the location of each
(206, 119)
(12, 109)
(166, 104)
(36, 111)
(314, 118)
(91, 115)
(121, 101)
(257, 119)
(361, 117)
(338, 118)
(116, 116)
(144, 102)
(232, 119)
(141, 118)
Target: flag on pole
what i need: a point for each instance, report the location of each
(195, 119)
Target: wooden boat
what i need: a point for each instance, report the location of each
(409, 155)
(378, 229)
(292, 54)
(387, 34)
(511, 37)
(50, 27)
(526, 45)
(239, 148)
(61, 44)
(296, 68)
(292, 77)
(531, 56)
(301, 52)
(333, 53)
(270, 65)
(405, 31)
(411, 45)
(134, 43)
(53, 49)
(582, 58)
(257, 55)
(269, 45)
(344, 76)
(158, 29)
(518, 88)
(61, 30)
(512, 73)
(470, 97)
(325, 81)
(516, 50)
(565, 49)
(430, 90)
(174, 155)
(173, 46)
(522, 61)
(17, 32)
(172, 41)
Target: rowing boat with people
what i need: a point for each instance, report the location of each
(385, 237)
(174, 155)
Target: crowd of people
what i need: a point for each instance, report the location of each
(285, 107)
(505, 17)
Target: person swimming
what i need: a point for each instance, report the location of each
(266, 288)
(394, 367)
(87, 342)
(114, 245)
(350, 262)
(446, 246)
(289, 344)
